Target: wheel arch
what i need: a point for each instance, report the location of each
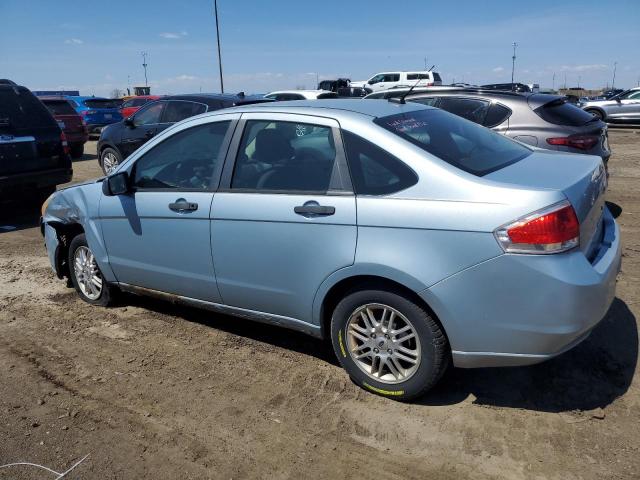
(334, 293)
(602, 113)
(66, 232)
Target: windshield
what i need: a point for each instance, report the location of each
(459, 142)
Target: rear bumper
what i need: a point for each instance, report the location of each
(35, 180)
(524, 309)
(77, 137)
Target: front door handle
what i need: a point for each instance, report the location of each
(181, 206)
(314, 209)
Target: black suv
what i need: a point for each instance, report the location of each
(119, 140)
(34, 155)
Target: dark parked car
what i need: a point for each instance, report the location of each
(34, 155)
(121, 139)
(509, 87)
(539, 120)
(71, 123)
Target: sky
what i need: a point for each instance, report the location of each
(96, 47)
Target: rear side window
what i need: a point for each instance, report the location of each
(284, 157)
(102, 103)
(19, 108)
(560, 112)
(469, 108)
(375, 171)
(177, 111)
(496, 115)
(416, 76)
(436, 77)
(59, 107)
(463, 144)
(138, 102)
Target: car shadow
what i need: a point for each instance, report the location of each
(86, 157)
(242, 328)
(591, 375)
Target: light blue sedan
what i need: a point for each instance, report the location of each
(410, 237)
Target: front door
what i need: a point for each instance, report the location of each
(145, 125)
(284, 218)
(158, 236)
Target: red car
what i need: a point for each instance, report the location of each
(71, 123)
(131, 106)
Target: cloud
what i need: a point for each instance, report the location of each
(583, 68)
(498, 69)
(73, 41)
(173, 36)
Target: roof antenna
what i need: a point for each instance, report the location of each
(401, 99)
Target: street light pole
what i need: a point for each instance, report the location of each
(215, 8)
(144, 65)
(513, 64)
(613, 83)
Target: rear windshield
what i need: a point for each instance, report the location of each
(59, 107)
(102, 103)
(19, 108)
(560, 112)
(457, 141)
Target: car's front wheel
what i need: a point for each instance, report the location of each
(85, 274)
(388, 343)
(109, 160)
(596, 113)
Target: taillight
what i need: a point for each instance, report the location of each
(552, 230)
(582, 142)
(65, 145)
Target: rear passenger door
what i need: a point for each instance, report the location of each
(284, 218)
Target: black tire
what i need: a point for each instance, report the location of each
(77, 150)
(107, 292)
(596, 113)
(435, 352)
(109, 151)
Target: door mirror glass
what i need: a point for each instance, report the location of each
(117, 184)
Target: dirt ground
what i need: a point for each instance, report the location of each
(150, 390)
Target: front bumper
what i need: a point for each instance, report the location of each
(35, 180)
(524, 309)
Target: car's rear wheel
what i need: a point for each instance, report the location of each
(85, 274)
(77, 150)
(389, 344)
(109, 160)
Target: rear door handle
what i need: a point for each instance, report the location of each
(181, 205)
(314, 209)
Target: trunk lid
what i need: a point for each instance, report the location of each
(582, 179)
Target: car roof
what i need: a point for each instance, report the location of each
(332, 107)
(212, 96)
(88, 97)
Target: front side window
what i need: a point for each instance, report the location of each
(149, 115)
(178, 110)
(463, 144)
(392, 77)
(375, 171)
(275, 156)
(634, 95)
(377, 79)
(469, 108)
(185, 160)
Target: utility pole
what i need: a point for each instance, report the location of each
(215, 8)
(144, 65)
(613, 82)
(553, 81)
(513, 64)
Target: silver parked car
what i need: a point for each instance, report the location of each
(539, 120)
(621, 108)
(407, 235)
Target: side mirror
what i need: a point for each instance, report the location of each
(117, 184)
(618, 100)
(129, 122)
(370, 82)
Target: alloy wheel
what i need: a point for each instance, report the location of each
(383, 343)
(87, 273)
